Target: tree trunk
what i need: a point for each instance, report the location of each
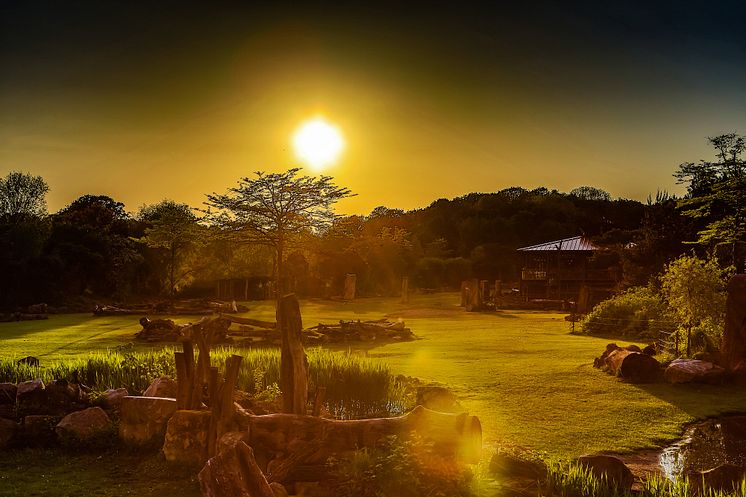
(234, 473)
(456, 435)
(293, 361)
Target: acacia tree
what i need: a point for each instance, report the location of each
(275, 209)
(173, 229)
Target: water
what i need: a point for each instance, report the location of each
(706, 445)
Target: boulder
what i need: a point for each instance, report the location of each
(31, 397)
(163, 386)
(650, 350)
(186, 438)
(512, 466)
(733, 345)
(144, 419)
(634, 367)
(8, 400)
(617, 473)
(38, 430)
(84, 426)
(633, 348)
(63, 397)
(112, 398)
(723, 478)
(8, 430)
(693, 371)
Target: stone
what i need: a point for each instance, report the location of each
(438, 399)
(617, 473)
(83, 426)
(650, 350)
(112, 398)
(31, 397)
(38, 430)
(512, 466)
(186, 437)
(693, 371)
(723, 478)
(163, 386)
(633, 348)
(8, 430)
(143, 420)
(8, 400)
(62, 397)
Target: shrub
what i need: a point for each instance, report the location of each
(636, 313)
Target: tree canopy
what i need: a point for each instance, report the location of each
(23, 194)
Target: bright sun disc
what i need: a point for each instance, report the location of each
(318, 143)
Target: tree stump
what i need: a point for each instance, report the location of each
(293, 361)
(349, 290)
(234, 473)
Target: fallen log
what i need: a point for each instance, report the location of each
(455, 435)
(633, 366)
(252, 322)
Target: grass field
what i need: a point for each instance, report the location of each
(531, 383)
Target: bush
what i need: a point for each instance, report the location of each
(636, 313)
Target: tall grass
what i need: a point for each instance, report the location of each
(572, 480)
(355, 386)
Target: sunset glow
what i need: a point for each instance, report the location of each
(318, 143)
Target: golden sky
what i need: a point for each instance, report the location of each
(145, 105)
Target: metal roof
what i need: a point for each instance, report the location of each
(574, 244)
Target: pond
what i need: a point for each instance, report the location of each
(706, 445)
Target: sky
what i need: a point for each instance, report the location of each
(143, 101)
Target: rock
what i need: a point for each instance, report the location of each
(31, 397)
(723, 478)
(38, 431)
(186, 438)
(62, 397)
(600, 362)
(84, 426)
(511, 466)
(144, 419)
(162, 387)
(8, 430)
(8, 400)
(29, 360)
(633, 348)
(230, 439)
(650, 350)
(438, 399)
(278, 489)
(693, 371)
(634, 367)
(733, 348)
(112, 398)
(617, 473)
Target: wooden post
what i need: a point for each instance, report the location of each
(293, 361)
(318, 400)
(349, 290)
(405, 290)
(464, 293)
(246, 289)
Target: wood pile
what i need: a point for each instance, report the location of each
(254, 332)
(196, 307)
(165, 330)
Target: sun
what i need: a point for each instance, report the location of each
(318, 143)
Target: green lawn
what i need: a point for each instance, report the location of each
(530, 381)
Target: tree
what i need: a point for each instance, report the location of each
(23, 194)
(590, 193)
(695, 291)
(275, 209)
(716, 193)
(173, 229)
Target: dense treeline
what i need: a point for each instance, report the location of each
(95, 249)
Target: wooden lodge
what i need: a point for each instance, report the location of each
(561, 270)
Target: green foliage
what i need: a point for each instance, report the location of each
(355, 386)
(638, 312)
(22, 194)
(695, 292)
(404, 468)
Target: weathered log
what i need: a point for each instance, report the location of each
(456, 435)
(633, 366)
(234, 473)
(293, 361)
(252, 322)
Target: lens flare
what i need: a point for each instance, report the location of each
(318, 143)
